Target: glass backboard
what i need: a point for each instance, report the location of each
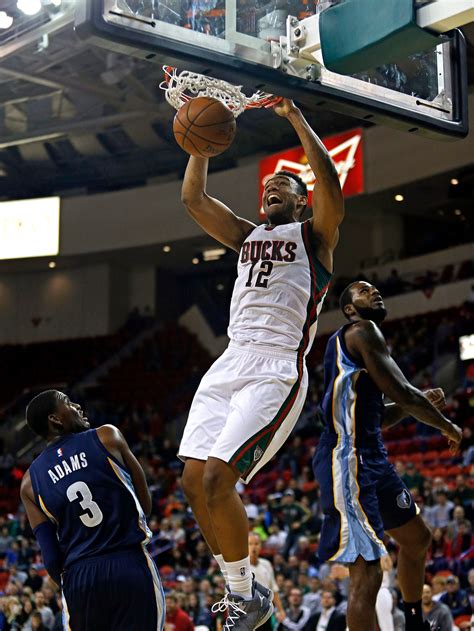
(249, 43)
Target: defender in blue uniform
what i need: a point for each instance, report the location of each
(86, 497)
(361, 494)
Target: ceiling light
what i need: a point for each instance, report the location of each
(5, 20)
(29, 7)
(457, 212)
(52, 264)
(195, 261)
(454, 181)
(399, 198)
(213, 254)
(166, 248)
(220, 287)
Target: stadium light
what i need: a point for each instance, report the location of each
(454, 181)
(399, 198)
(52, 264)
(5, 20)
(29, 7)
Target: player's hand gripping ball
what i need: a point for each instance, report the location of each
(204, 127)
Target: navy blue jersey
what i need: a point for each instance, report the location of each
(352, 405)
(90, 497)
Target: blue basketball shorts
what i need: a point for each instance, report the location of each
(113, 592)
(361, 497)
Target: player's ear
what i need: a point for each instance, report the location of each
(55, 420)
(302, 204)
(349, 311)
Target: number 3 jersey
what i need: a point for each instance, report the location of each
(90, 497)
(279, 289)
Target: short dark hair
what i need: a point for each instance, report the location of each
(346, 298)
(38, 410)
(302, 188)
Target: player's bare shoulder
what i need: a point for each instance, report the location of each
(364, 335)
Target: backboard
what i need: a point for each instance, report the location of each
(259, 44)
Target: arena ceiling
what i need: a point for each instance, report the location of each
(75, 118)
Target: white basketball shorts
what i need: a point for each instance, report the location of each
(246, 407)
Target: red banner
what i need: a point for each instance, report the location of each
(346, 151)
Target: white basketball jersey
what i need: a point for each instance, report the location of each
(279, 289)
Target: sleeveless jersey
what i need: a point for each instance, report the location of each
(352, 405)
(280, 288)
(90, 497)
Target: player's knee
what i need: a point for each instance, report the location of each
(366, 584)
(215, 481)
(192, 485)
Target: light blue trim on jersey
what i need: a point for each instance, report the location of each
(126, 480)
(357, 537)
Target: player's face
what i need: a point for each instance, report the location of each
(281, 200)
(71, 416)
(368, 302)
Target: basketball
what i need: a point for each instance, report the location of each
(204, 127)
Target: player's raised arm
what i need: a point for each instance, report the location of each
(212, 215)
(113, 440)
(365, 340)
(328, 201)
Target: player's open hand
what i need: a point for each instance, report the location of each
(454, 435)
(284, 107)
(436, 397)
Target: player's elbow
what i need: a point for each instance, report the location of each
(409, 398)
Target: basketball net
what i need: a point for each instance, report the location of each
(183, 86)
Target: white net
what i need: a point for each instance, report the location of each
(182, 86)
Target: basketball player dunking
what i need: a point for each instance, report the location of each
(85, 497)
(361, 494)
(250, 399)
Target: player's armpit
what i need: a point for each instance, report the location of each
(33, 512)
(114, 441)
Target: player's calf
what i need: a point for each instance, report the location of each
(365, 581)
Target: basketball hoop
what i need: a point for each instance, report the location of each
(182, 86)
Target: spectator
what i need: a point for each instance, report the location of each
(470, 587)
(297, 615)
(37, 622)
(456, 599)
(412, 478)
(453, 526)
(250, 508)
(397, 614)
(328, 619)
(44, 610)
(34, 580)
(440, 513)
(198, 615)
(264, 574)
(58, 618)
(176, 618)
(438, 587)
(437, 613)
(312, 598)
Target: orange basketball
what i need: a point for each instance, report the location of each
(204, 127)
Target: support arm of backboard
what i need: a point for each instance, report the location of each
(303, 40)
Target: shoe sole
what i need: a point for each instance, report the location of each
(271, 609)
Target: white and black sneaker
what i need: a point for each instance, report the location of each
(242, 614)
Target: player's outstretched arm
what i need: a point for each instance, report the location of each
(113, 440)
(365, 340)
(328, 200)
(212, 215)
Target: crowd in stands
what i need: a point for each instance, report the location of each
(282, 502)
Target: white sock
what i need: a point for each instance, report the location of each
(220, 561)
(240, 577)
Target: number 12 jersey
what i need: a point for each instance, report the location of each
(280, 288)
(89, 496)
